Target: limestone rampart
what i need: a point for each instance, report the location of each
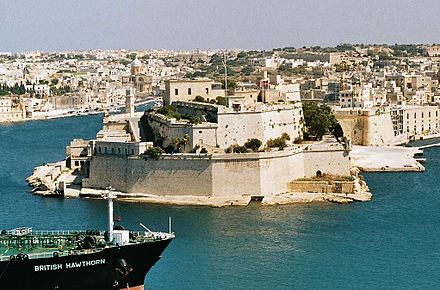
(263, 173)
(191, 174)
(366, 127)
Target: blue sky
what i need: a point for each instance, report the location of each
(183, 24)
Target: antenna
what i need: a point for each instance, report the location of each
(169, 225)
(226, 74)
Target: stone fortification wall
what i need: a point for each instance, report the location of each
(168, 129)
(201, 110)
(335, 162)
(380, 130)
(366, 127)
(322, 186)
(171, 176)
(262, 173)
(218, 175)
(263, 122)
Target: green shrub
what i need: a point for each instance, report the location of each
(253, 144)
(154, 152)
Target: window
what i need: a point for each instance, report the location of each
(132, 151)
(99, 149)
(105, 149)
(207, 91)
(176, 92)
(422, 114)
(119, 150)
(429, 114)
(415, 115)
(189, 91)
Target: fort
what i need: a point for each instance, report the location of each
(197, 153)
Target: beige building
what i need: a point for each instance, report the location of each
(69, 101)
(432, 50)
(11, 109)
(420, 120)
(187, 90)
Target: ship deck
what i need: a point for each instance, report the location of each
(24, 243)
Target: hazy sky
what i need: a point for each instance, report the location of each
(181, 24)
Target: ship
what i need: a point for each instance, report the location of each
(85, 259)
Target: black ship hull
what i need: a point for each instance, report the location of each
(111, 268)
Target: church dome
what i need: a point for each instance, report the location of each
(136, 63)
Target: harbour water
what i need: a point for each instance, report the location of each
(391, 242)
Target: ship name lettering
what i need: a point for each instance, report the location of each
(50, 267)
(85, 263)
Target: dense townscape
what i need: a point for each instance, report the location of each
(397, 80)
(290, 114)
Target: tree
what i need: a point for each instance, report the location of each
(216, 59)
(184, 141)
(253, 144)
(236, 149)
(247, 70)
(199, 99)
(279, 142)
(221, 100)
(285, 136)
(242, 54)
(154, 152)
(231, 84)
(319, 120)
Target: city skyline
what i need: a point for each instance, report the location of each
(138, 24)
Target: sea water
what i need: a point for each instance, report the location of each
(391, 242)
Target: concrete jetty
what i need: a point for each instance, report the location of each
(386, 158)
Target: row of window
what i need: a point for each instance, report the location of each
(176, 91)
(422, 129)
(113, 150)
(429, 115)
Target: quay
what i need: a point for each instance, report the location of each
(386, 159)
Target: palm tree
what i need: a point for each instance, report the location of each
(184, 141)
(177, 143)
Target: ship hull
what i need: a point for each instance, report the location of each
(122, 267)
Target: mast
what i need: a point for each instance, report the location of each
(110, 196)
